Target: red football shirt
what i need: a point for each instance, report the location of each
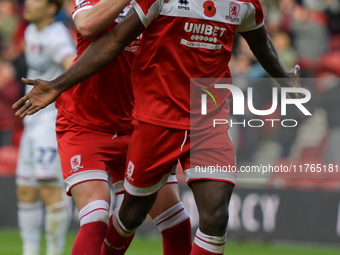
(184, 39)
(104, 102)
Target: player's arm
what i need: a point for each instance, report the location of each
(265, 52)
(101, 52)
(91, 22)
(98, 55)
(263, 49)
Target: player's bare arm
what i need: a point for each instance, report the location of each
(265, 52)
(91, 22)
(101, 52)
(98, 55)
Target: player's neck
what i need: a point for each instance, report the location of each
(41, 24)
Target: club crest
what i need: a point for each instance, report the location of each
(234, 11)
(129, 170)
(75, 163)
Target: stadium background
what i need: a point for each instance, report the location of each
(264, 211)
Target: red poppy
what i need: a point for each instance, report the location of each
(209, 8)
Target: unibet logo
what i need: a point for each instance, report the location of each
(204, 29)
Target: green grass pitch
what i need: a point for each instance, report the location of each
(10, 244)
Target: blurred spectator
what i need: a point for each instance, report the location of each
(16, 53)
(287, 7)
(12, 27)
(65, 15)
(333, 12)
(10, 92)
(284, 49)
(329, 86)
(8, 21)
(309, 30)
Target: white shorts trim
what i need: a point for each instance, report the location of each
(26, 181)
(143, 192)
(89, 175)
(33, 182)
(118, 187)
(172, 178)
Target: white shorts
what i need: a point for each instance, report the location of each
(38, 159)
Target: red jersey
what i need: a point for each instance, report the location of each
(103, 102)
(184, 39)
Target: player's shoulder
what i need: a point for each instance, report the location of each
(30, 28)
(57, 31)
(55, 34)
(58, 26)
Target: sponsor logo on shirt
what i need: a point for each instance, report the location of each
(129, 171)
(203, 36)
(183, 5)
(41, 49)
(37, 48)
(203, 29)
(76, 163)
(234, 11)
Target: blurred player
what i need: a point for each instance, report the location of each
(93, 133)
(49, 51)
(178, 43)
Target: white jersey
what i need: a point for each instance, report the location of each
(45, 52)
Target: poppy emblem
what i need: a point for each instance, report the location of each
(209, 8)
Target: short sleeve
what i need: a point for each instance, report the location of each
(63, 47)
(81, 5)
(147, 10)
(254, 18)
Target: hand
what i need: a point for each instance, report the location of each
(293, 74)
(43, 94)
